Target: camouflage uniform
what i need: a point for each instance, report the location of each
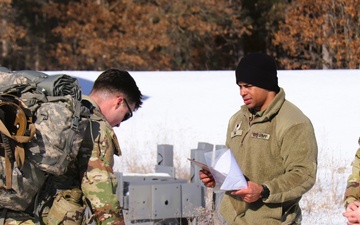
(95, 162)
(352, 192)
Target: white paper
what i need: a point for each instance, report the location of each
(225, 170)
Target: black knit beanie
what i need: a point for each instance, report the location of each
(259, 70)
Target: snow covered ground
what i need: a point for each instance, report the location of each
(184, 108)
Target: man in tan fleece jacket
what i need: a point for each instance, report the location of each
(275, 146)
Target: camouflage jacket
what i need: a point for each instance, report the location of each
(352, 192)
(95, 163)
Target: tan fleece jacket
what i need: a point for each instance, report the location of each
(278, 148)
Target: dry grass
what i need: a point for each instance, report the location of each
(323, 204)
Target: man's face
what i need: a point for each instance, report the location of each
(126, 112)
(121, 111)
(254, 97)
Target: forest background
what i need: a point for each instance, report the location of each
(148, 35)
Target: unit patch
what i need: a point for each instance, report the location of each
(237, 131)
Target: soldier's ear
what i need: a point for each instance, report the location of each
(118, 101)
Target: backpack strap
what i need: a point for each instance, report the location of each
(19, 136)
(88, 216)
(43, 199)
(3, 216)
(17, 156)
(9, 158)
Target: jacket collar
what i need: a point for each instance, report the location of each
(269, 112)
(98, 116)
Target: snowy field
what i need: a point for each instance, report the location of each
(184, 108)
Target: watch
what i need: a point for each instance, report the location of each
(265, 192)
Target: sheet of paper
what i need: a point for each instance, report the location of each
(225, 170)
(199, 164)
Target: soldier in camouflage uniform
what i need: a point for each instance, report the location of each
(112, 100)
(352, 192)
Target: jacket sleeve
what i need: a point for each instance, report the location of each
(352, 192)
(299, 154)
(99, 182)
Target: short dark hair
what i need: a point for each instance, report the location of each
(114, 80)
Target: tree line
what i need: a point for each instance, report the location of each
(177, 34)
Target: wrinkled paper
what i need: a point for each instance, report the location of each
(225, 170)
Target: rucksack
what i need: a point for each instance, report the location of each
(41, 128)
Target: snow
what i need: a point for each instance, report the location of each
(185, 108)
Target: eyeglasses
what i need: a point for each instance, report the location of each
(129, 114)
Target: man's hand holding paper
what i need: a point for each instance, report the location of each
(207, 178)
(225, 170)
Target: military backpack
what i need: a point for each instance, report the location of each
(41, 130)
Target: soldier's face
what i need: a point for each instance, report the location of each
(255, 97)
(122, 111)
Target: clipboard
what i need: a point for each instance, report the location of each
(199, 164)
